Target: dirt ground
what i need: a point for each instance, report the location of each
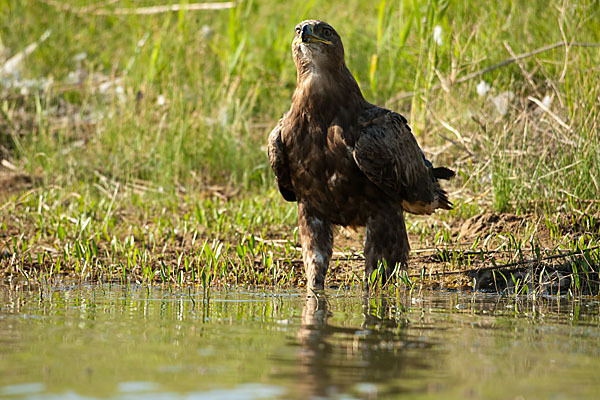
(467, 259)
(13, 181)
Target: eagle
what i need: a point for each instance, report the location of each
(347, 162)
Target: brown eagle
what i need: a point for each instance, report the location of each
(347, 162)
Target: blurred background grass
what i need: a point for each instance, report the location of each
(183, 101)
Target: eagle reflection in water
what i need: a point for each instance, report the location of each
(370, 359)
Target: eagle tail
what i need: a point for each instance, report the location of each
(441, 199)
(443, 173)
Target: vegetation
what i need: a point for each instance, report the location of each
(134, 145)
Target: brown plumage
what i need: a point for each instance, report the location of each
(347, 162)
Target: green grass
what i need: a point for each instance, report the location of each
(117, 172)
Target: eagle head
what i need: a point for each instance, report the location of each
(317, 48)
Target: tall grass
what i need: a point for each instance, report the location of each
(226, 76)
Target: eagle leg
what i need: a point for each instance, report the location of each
(386, 242)
(316, 238)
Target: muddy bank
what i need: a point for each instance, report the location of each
(490, 251)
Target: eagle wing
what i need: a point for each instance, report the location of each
(388, 154)
(279, 162)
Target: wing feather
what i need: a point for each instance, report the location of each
(279, 162)
(389, 155)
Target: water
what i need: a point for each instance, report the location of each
(97, 342)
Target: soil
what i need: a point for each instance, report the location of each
(488, 223)
(14, 182)
(452, 265)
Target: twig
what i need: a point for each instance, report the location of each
(525, 73)
(142, 10)
(13, 62)
(82, 10)
(514, 264)
(8, 165)
(560, 170)
(550, 113)
(404, 95)
(552, 201)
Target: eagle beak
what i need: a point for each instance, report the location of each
(308, 36)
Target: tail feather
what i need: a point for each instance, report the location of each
(418, 207)
(442, 200)
(443, 173)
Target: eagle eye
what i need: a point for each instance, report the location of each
(326, 32)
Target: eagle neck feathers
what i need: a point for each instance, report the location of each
(324, 96)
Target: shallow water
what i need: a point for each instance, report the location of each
(101, 342)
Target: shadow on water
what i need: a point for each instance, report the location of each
(118, 343)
